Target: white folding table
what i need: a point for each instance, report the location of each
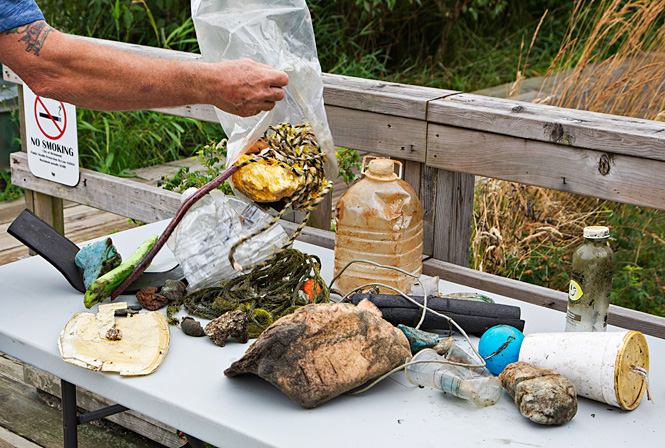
(190, 392)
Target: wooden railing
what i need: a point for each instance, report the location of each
(445, 139)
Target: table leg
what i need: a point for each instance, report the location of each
(193, 442)
(69, 421)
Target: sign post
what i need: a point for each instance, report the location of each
(51, 138)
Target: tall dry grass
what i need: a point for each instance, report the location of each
(612, 60)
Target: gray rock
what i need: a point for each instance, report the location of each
(323, 350)
(173, 290)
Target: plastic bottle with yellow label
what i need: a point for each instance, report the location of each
(591, 282)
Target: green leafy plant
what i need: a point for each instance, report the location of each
(348, 161)
(8, 191)
(212, 157)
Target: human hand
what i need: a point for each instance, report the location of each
(245, 87)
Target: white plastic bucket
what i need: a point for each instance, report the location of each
(600, 365)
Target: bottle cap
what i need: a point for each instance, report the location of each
(381, 169)
(596, 232)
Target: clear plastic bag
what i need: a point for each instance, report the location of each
(277, 33)
(203, 239)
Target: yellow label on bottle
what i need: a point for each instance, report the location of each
(575, 291)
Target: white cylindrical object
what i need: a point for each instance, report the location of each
(600, 365)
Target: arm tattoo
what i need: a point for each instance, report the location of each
(33, 34)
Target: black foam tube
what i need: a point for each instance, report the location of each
(475, 317)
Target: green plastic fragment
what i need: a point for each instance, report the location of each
(97, 259)
(102, 288)
(419, 339)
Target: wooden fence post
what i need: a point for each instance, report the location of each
(454, 216)
(321, 216)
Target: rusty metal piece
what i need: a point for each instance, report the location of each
(150, 300)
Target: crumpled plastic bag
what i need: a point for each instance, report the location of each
(277, 33)
(202, 241)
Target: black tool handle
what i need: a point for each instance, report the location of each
(49, 244)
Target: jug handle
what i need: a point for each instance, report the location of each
(362, 168)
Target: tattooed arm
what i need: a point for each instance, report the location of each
(94, 76)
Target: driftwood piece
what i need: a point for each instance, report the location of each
(323, 350)
(542, 395)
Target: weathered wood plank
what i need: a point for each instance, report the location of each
(83, 223)
(202, 112)
(412, 174)
(319, 237)
(428, 199)
(570, 127)
(593, 173)
(379, 96)
(13, 254)
(549, 298)
(379, 134)
(426, 191)
(131, 199)
(10, 209)
(321, 216)
(10, 367)
(453, 218)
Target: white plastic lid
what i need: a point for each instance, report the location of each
(596, 232)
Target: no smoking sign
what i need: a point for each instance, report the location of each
(52, 140)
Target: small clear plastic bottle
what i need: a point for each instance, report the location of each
(476, 385)
(591, 282)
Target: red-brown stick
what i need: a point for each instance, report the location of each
(145, 262)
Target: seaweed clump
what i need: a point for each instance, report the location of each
(264, 294)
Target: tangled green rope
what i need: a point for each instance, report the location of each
(265, 294)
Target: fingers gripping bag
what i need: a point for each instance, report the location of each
(277, 33)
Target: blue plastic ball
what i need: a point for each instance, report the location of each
(503, 342)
